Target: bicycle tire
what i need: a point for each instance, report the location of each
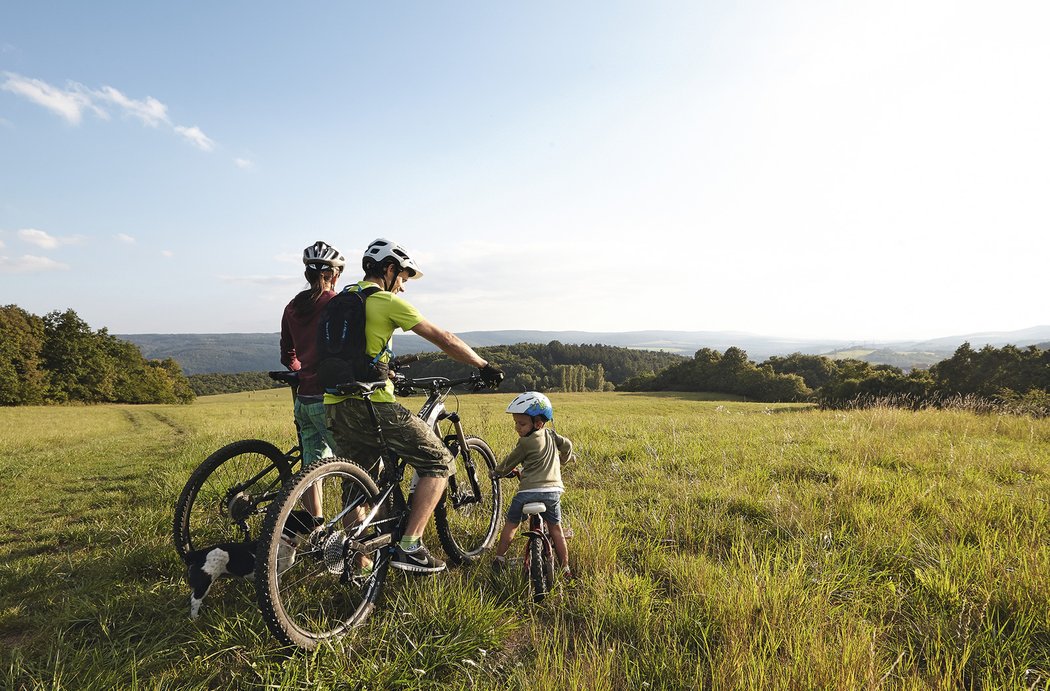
(225, 497)
(537, 570)
(307, 594)
(467, 528)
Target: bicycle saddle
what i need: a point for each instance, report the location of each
(533, 508)
(357, 388)
(285, 377)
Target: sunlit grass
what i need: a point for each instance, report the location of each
(718, 544)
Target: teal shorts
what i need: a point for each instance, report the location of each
(318, 442)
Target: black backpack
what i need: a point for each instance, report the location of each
(341, 341)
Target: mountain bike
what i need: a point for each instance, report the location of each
(320, 587)
(226, 496)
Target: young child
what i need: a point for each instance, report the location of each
(540, 453)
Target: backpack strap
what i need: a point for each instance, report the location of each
(365, 294)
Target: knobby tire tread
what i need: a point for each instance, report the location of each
(181, 536)
(537, 570)
(266, 556)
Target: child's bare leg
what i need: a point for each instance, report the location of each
(505, 537)
(558, 538)
(312, 500)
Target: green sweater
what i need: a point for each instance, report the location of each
(539, 454)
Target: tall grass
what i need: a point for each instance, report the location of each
(718, 544)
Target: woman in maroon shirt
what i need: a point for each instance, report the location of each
(299, 352)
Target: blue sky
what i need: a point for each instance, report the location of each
(805, 169)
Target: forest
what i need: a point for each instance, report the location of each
(1011, 378)
(58, 358)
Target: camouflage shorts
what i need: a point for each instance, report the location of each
(407, 435)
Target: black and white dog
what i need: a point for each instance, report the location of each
(237, 559)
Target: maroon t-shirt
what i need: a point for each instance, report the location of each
(299, 344)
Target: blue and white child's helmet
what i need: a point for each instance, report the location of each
(532, 403)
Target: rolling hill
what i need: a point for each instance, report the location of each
(255, 352)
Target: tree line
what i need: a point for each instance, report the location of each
(58, 358)
(1010, 377)
(236, 382)
(554, 366)
(527, 366)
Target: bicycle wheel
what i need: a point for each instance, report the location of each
(467, 518)
(226, 496)
(537, 570)
(312, 586)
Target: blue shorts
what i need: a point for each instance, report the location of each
(550, 498)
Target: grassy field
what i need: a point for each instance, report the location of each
(717, 544)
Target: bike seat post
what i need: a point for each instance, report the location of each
(388, 455)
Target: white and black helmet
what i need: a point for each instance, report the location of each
(382, 249)
(321, 256)
(532, 403)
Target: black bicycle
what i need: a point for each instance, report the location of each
(318, 587)
(539, 552)
(226, 496)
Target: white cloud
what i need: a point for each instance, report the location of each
(242, 163)
(47, 241)
(29, 263)
(68, 104)
(150, 111)
(1, 244)
(167, 253)
(71, 103)
(195, 136)
(127, 239)
(38, 238)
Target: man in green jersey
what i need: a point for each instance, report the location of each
(388, 266)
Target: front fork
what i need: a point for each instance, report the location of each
(457, 446)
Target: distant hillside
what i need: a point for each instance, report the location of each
(256, 352)
(907, 360)
(210, 353)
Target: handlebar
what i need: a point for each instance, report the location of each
(405, 385)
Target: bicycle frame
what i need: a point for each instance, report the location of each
(432, 412)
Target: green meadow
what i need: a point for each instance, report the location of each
(718, 544)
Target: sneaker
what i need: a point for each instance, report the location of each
(498, 565)
(419, 560)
